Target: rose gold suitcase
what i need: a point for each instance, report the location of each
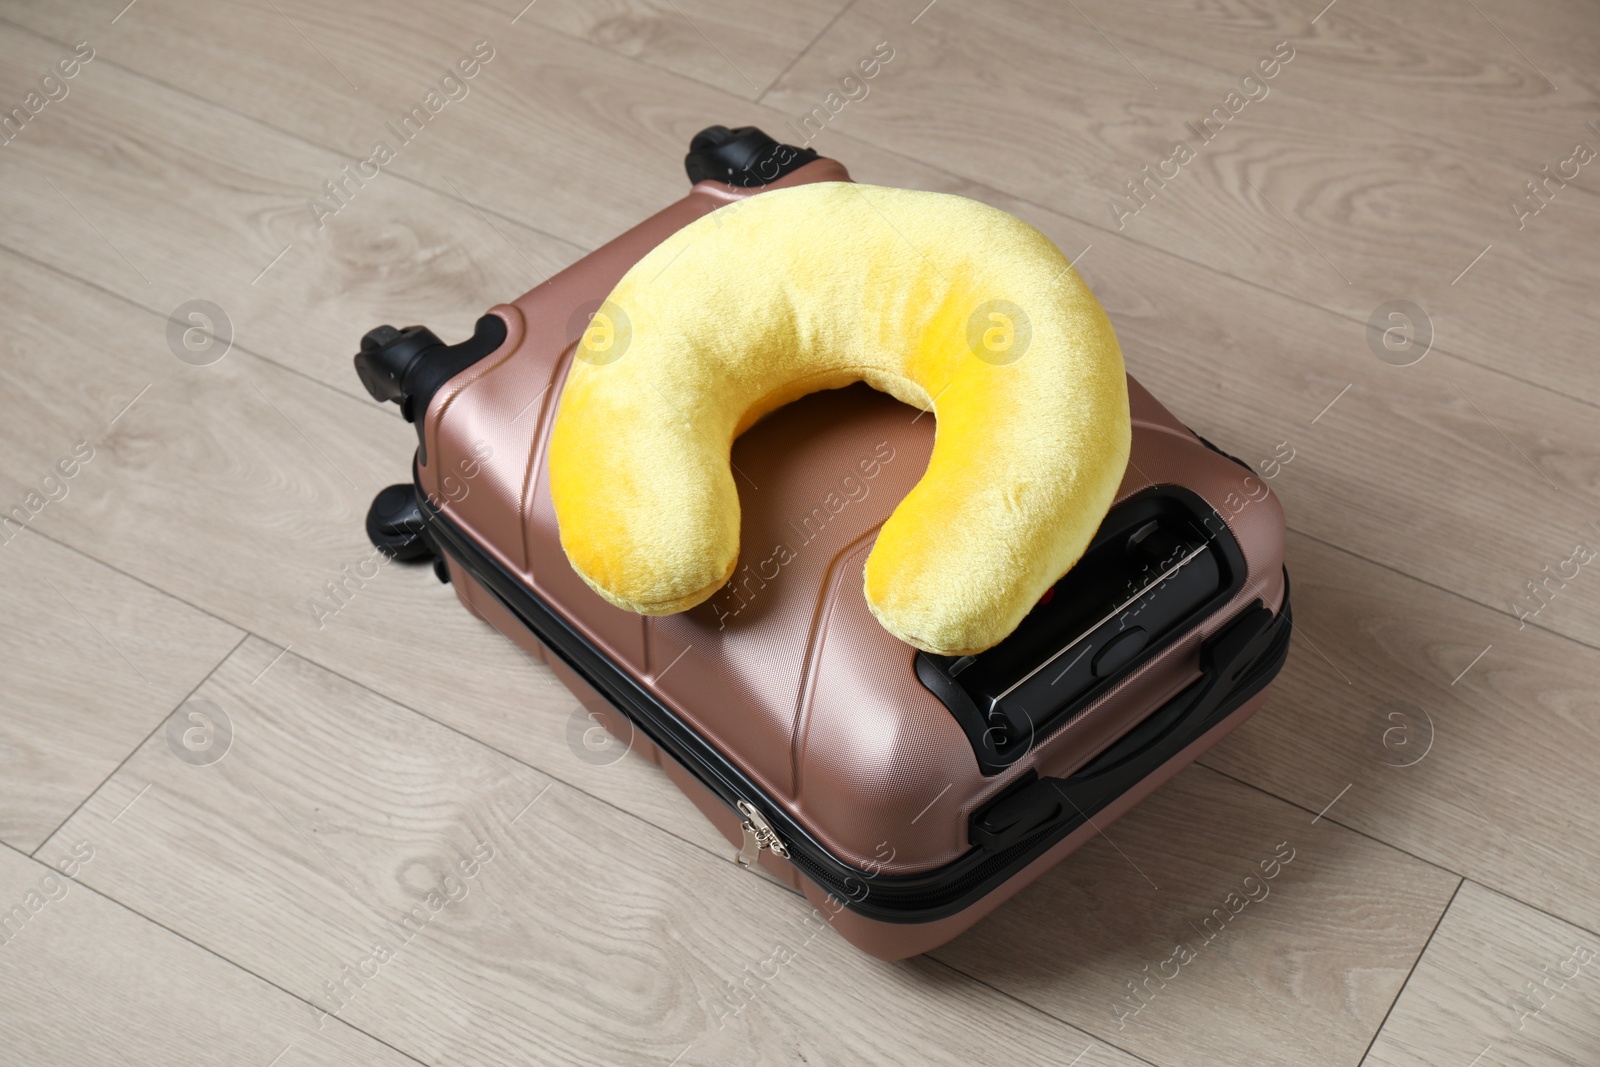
(906, 795)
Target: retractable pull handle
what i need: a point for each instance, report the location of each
(1035, 803)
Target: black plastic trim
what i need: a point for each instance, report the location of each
(1220, 452)
(746, 157)
(395, 525)
(1146, 503)
(409, 365)
(913, 898)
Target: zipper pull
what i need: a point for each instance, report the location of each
(758, 835)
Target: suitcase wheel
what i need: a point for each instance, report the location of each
(745, 157)
(395, 525)
(407, 366)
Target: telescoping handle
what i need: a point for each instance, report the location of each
(1036, 804)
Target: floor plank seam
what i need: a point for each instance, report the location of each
(219, 956)
(141, 743)
(804, 52)
(1332, 819)
(1387, 121)
(1557, 634)
(76, 551)
(1101, 228)
(235, 347)
(303, 139)
(1035, 1009)
(519, 761)
(1546, 912)
(1201, 762)
(1414, 964)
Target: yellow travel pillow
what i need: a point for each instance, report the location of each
(948, 304)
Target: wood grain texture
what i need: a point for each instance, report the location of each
(107, 184)
(739, 47)
(375, 748)
(85, 981)
(1501, 982)
(1404, 442)
(92, 660)
(1412, 66)
(1215, 901)
(573, 934)
(1304, 192)
(599, 138)
(1482, 765)
(242, 488)
(280, 520)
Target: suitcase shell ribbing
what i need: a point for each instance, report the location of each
(860, 772)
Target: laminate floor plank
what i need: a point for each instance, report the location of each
(738, 47)
(1501, 985)
(106, 184)
(242, 488)
(91, 660)
(1414, 66)
(463, 907)
(85, 981)
(585, 141)
(1216, 925)
(1302, 191)
(1436, 726)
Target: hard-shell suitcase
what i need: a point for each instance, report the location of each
(905, 794)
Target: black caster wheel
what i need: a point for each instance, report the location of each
(745, 157)
(386, 354)
(407, 366)
(395, 525)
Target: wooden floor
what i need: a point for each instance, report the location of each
(1428, 755)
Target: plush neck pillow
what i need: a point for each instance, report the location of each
(948, 304)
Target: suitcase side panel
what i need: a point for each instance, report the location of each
(1237, 685)
(885, 940)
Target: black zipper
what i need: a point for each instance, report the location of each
(899, 898)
